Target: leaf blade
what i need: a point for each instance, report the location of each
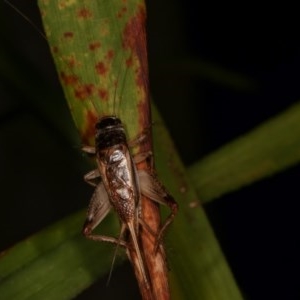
(266, 150)
(94, 48)
(56, 263)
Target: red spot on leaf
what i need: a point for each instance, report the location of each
(69, 79)
(134, 39)
(101, 68)
(55, 49)
(71, 62)
(144, 120)
(94, 46)
(116, 82)
(84, 13)
(42, 12)
(89, 131)
(84, 92)
(122, 12)
(68, 34)
(103, 94)
(134, 32)
(129, 62)
(110, 54)
(140, 78)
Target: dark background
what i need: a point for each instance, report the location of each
(190, 45)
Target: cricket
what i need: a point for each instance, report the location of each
(121, 186)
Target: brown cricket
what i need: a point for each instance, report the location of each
(121, 186)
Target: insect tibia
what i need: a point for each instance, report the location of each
(172, 204)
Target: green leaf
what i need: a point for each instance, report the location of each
(199, 269)
(268, 149)
(100, 54)
(56, 263)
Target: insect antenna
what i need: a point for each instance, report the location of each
(43, 35)
(115, 255)
(117, 103)
(34, 26)
(116, 109)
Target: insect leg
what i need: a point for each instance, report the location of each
(172, 204)
(153, 189)
(98, 209)
(89, 150)
(91, 176)
(141, 157)
(140, 137)
(104, 238)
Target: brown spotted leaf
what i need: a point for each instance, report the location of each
(99, 50)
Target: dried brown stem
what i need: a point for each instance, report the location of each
(155, 262)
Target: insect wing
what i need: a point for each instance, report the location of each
(98, 208)
(120, 183)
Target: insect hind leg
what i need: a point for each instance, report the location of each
(87, 232)
(89, 150)
(92, 177)
(152, 188)
(104, 238)
(173, 205)
(141, 137)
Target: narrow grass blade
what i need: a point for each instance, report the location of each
(266, 150)
(198, 267)
(56, 263)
